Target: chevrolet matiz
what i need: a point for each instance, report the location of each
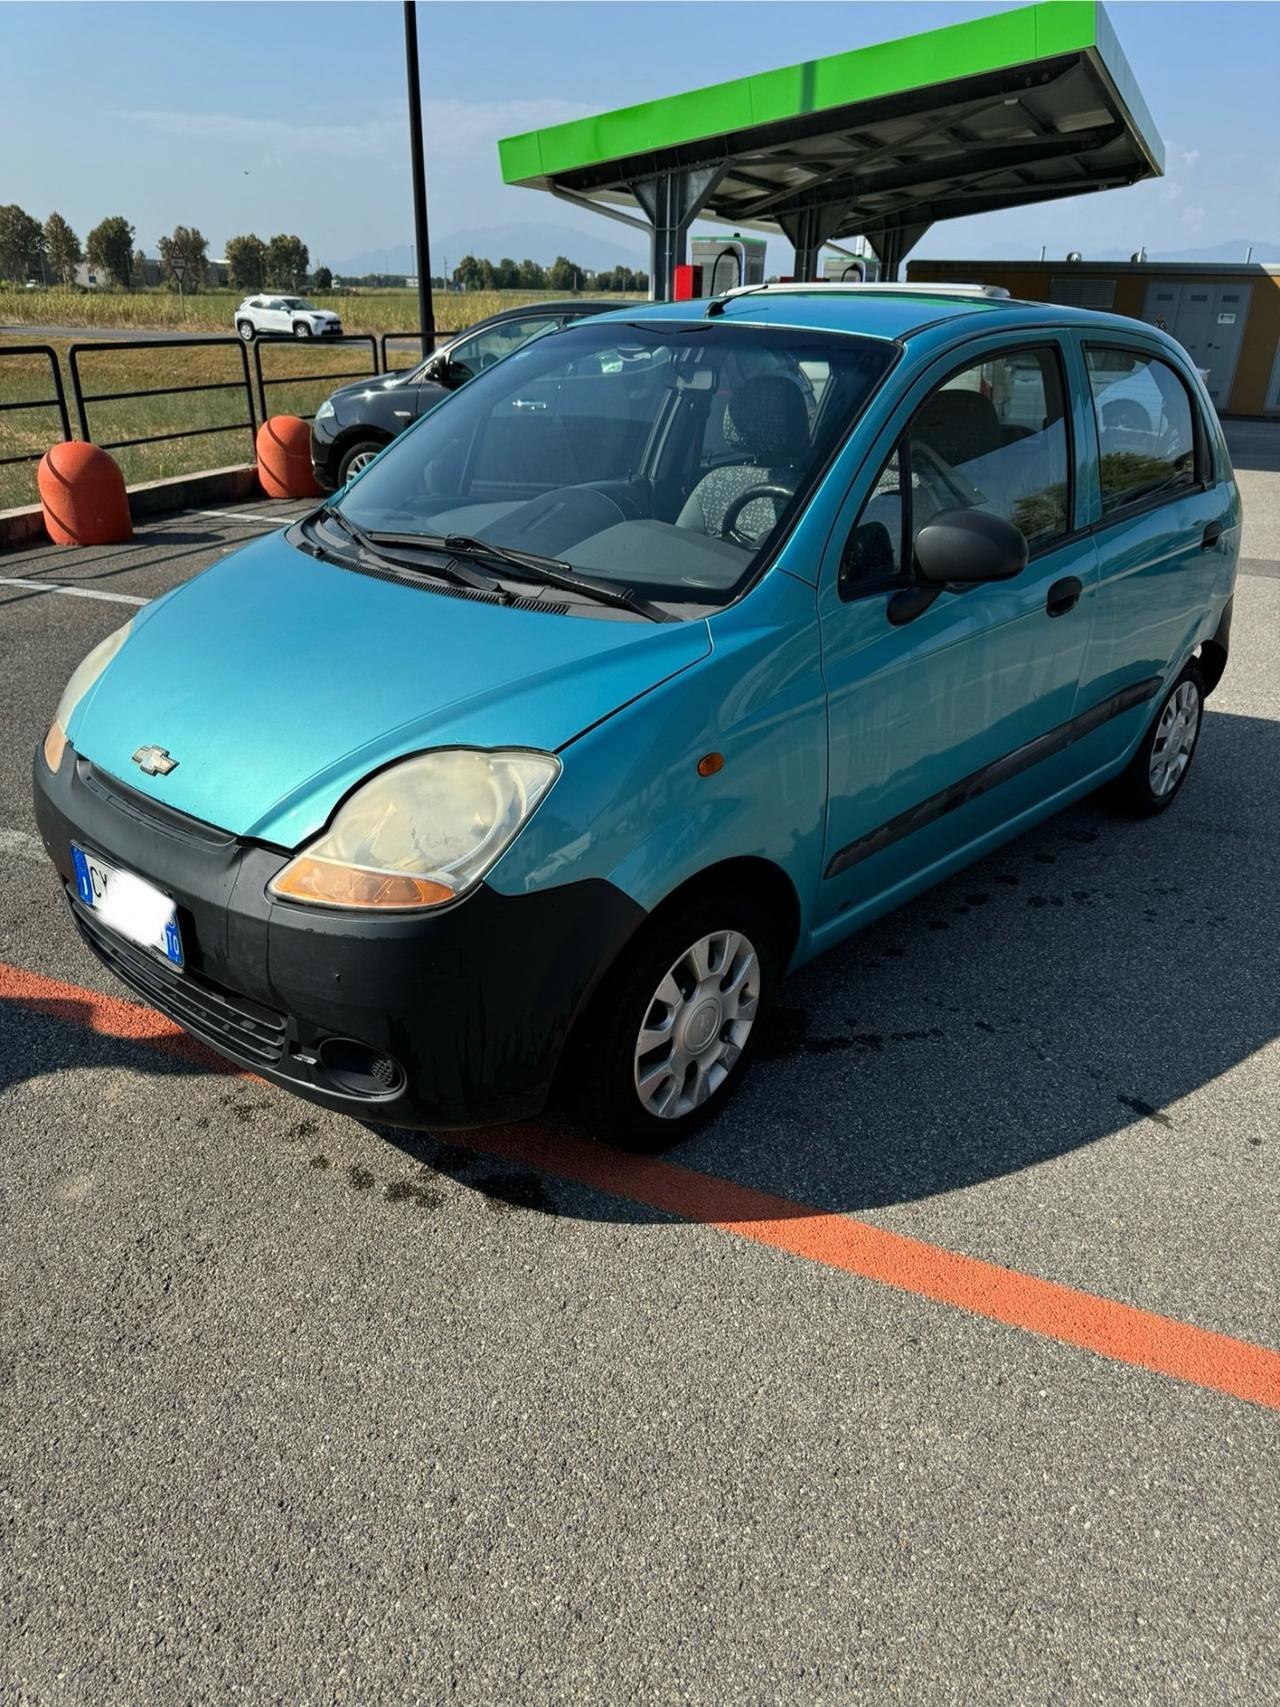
(669, 652)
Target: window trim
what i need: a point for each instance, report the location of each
(1143, 505)
(904, 577)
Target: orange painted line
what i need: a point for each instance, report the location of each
(1110, 1329)
(105, 1015)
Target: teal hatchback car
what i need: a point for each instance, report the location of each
(669, 652)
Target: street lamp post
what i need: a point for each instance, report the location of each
(426, 313)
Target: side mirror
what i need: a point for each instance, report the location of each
(960, 548)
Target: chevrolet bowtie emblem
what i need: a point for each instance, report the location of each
(154, 761)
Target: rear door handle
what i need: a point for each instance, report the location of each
(1212, 534)
(1063, 595)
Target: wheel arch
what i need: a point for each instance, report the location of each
(758, 876)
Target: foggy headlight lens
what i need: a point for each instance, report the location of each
(83, 678)
(421, 833)
(325, 410)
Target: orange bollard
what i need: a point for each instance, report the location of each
(83, 497)
(284, 458)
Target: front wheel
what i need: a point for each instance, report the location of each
(246, 330)
(356, 457)
(672, 1030)
(301, 329)
(1162, 762)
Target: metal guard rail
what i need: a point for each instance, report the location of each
(264, 338)
(57, 401)
(83, 398)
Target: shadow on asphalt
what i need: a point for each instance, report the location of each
(1092, 974)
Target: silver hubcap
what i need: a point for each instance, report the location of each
(246, 331)
(360, 460)
(1175, 739)
(697, 1024)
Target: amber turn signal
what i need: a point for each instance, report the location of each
(55, 745)
(308, 879)
(710, 763)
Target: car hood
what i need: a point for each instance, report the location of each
(278, 681)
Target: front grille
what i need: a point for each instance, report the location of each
(226, 1021)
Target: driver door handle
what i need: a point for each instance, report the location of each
(1212, 534)
(1063, 595)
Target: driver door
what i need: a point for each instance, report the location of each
(948, 726)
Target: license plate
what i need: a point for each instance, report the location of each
(129, 905)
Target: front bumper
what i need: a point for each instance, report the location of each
(470, 1006)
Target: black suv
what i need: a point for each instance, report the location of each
(353, 425)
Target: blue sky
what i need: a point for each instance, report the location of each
(273, 117)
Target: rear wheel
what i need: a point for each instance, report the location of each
(1162, 762)
(356, 457)
(246, 330)
(301, 329)
(672, 1030)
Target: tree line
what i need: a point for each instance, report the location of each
(30, 249)
(473, 273)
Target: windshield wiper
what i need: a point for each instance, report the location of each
(554, 571)
(372, 543)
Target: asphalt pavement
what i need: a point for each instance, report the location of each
(862, 1397)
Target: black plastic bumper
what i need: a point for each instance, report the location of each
(467, 1008)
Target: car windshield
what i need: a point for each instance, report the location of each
(666, 457)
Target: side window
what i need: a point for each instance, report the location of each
(1146, 431)
(873, 552)
(994, 437)
(476, 354)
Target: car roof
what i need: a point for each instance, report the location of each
(536, 311)
(894, 313)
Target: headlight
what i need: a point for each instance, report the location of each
(325, 410)
(421, 833)
(82, 679)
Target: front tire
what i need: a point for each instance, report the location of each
(1162, 763)
(356, 457)
(247, 330)
(674, 1026)
(301, 329)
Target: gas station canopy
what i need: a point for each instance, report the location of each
(1006, 111)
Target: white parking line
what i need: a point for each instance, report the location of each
(244, 516)
(72, 592)
(17, 844)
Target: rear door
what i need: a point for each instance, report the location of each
(1163, 513)
(947, 727)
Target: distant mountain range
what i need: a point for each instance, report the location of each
(531, 241)
(615, 245)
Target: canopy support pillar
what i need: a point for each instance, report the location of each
(672, 200)
(892, 242)
(809, 227)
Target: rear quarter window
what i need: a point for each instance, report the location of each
(1147, 437)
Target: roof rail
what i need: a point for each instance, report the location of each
(923, 288)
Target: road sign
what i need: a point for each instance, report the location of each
(178, 265)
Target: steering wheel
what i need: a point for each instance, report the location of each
(729, 526)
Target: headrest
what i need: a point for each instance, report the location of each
(767, 417)
(958, 425)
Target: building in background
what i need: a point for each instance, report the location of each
(1227, 318)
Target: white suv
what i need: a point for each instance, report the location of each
(287, 314)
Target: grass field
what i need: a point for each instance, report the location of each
(212, 311)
